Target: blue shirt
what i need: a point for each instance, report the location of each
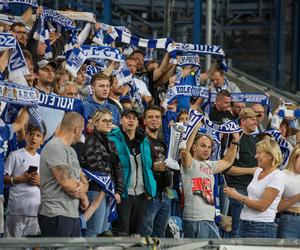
(90, 107)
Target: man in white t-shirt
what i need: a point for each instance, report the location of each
(22, 173)
(198, 181)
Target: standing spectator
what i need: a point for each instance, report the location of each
(236, 108)
(63, 185)
(134, 151)
(158, 208)
(244, 159)
(220, 82)
(101, 156)
(7, 133)
(18, 30)
(264, 193)
(260, 110)
(198, 181)
(98, 100)
(219, 112)
(289, 206)
(115, 93)
(24, 193)
(44, 72)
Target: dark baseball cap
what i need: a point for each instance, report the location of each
(127, 111)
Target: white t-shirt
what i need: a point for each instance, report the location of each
(142, 87)
(291, 185)
(256, 189)
(24, 199)
(195, 207)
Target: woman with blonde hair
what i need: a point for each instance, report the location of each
(289, 206)
(264, 193)
(100, 156)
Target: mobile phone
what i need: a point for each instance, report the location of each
(32, 169)
(224, 179)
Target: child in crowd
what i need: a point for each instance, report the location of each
(22, 173)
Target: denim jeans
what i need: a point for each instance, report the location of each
(157, 215)
(289, 227)
(98, 223)
(255, 229)
(235, 208)
(224, 200)
(200, 229)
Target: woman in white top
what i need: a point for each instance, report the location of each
(264, 193)
(289, 207)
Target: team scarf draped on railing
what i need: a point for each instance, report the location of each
(17, 63)
(106, 184)
(78, 56)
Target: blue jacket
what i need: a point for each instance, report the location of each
(117, 137)
(90, 107)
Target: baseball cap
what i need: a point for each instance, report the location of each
(127, 111)
(43, 63)
(248, 113)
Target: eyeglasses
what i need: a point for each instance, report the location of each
(21, 32)
(105, 121)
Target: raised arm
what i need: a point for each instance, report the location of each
(21, 120)
(162, 68)
(186, 157)
(4, 60)
(228, 159)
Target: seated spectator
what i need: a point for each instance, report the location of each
(264, 193)
(289, 206)
(24, 193)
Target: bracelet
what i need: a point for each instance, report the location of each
(12, 181)
(235, 143)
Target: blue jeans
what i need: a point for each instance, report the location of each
(289, 227)
(98, 223)
(200, 229)
(255, 229)
(157, 215)
(235, 208)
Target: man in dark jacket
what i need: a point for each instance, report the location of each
(134, 151)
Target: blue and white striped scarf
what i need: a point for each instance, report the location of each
(284, 145)
(58, 21)
(17, 94)
(79, 55)
(32, 3)
(107, 185)
(17, 63)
